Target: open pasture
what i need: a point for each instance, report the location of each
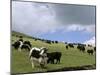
(71, 57)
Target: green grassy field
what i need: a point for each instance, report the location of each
(72, 57)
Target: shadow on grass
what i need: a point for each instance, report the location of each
(78, 68)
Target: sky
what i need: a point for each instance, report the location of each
(62, 22)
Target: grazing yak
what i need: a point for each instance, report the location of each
(56, 42)
(81, 48)
(90, 51)
(20, 36)
(66, 46)
(25, 47)
(52, 41)
(16, 44)
(27, 43)
(65, 42)
(38, 55)
(71, 45)
(19, 45)
(89, 45)
(54, 56)
(20, 39)
(48, 41)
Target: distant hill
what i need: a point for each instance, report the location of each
(14, 33)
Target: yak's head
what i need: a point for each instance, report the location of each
(44, 49)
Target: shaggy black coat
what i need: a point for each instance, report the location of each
(28, 43)
(16, 44)
(81, 48)
(90, 52)
(54, 56)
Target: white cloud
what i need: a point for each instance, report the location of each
(37, 18)
(90, 28)
(75, 27)
(84, 28)
(32, 19)
(91, 41)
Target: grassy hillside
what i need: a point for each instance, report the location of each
(72, 57)
(17, 34)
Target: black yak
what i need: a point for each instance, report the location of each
(81, 48)
(25, 47)
(20, 39)
(16, 44)
(48, 41)
(54, 56)
(90, 52)
(66, 46)
(56, 42)
(71, 45)
(27, 43)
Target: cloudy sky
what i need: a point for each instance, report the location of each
(62, 22)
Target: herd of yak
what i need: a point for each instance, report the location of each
(82, 48)
(39, 53)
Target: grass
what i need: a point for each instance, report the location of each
(72, 57)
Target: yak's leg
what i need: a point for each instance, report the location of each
(91, 53)
(40, 59)
(52, 61)
(45, 60)
(59, 61)
(56, 61)
(32, 62)
(19, 49)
